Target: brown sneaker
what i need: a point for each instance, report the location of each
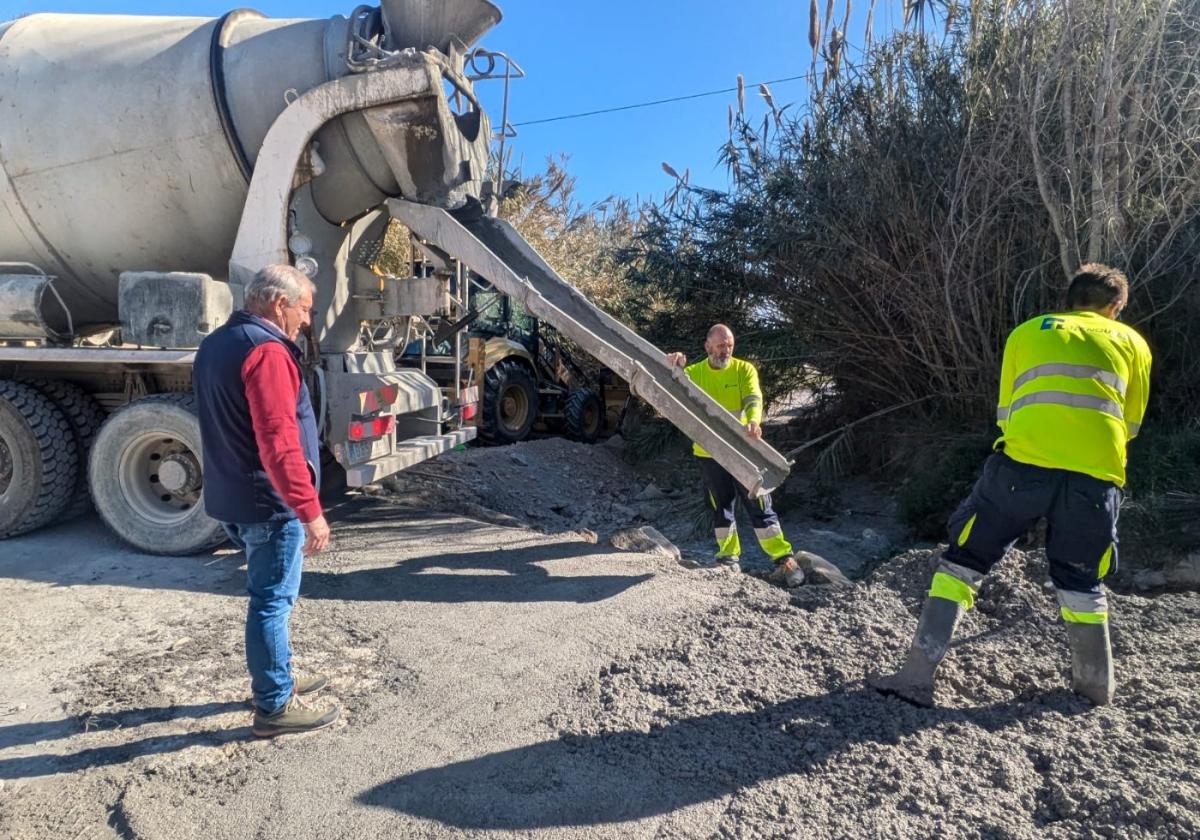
(303, 685)
(297, 715)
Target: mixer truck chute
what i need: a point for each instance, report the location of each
(163, 161)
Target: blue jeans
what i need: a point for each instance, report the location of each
(274, 562)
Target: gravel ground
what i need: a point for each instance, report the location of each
(567, 487)
(499, 681)
(759, 705)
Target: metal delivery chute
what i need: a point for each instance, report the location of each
(494, 249)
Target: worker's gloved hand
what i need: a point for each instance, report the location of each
(754, 431)
(316, 535)
(676, 359)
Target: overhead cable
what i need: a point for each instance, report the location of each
(653, 102)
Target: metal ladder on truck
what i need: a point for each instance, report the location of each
(493, 248)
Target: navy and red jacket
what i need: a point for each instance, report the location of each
(257, 425)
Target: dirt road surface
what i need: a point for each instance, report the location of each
(502, 682)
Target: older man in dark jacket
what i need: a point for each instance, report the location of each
(261, 474)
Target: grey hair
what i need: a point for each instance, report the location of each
(274, 282)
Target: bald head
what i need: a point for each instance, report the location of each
(719, 346)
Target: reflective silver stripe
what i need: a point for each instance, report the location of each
(1134, 428)
(1002, 412)
(768, 532)
(1075, 372)
(723, 533)
(1073, 400)
(970, 577)
(1082, 602)
(751, 399)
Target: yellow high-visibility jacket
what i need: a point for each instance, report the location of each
(1073, 391)
(734, 387)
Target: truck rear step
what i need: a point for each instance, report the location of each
(407, 453)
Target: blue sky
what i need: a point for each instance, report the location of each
(582, 56)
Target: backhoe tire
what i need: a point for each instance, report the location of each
(85, 416)
(146, 479)
(39, 463)
(510, 403)
(584, 415)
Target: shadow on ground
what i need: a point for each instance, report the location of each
(499, 576)
(85, 553)
(47, 763)
(630, 775)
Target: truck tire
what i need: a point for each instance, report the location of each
(85, 416)
(146, 479)
(584, 415)
(39, 463)
(509, 403)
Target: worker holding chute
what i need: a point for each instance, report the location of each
(733, 383)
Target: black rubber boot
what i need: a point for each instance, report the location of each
(819, 570)
(1091, 662)
(914, 681)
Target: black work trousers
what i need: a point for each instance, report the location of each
(1010, 496)
(723, 492)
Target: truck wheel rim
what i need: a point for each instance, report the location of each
(143, 488)
(514, 407)
(591, 419)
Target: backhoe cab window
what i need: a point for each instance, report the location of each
(501, 315)
(519, 317)
(493, 310)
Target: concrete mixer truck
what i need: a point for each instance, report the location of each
(149, 166)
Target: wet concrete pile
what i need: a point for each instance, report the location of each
(754, 716)
(761, 705)
(551, 485)
(556, 485)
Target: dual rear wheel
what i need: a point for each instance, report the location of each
(145, 474)
(140, 467)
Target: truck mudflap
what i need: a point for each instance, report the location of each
(494, 249)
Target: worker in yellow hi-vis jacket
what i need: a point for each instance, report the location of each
(733, 383)
(1073, 390)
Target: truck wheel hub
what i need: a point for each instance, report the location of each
(179, 473)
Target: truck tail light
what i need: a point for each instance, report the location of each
(376, 427)
(468, 411)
